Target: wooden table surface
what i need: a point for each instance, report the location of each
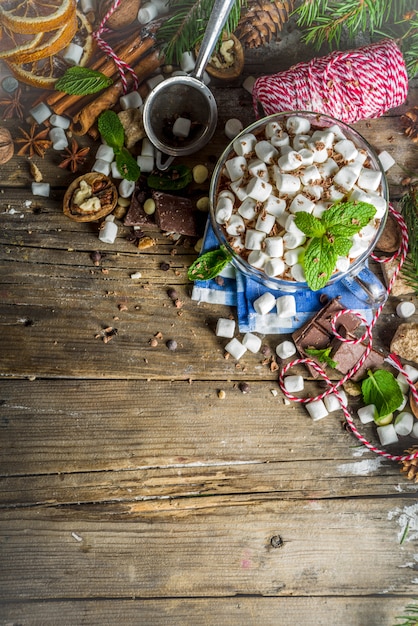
(131, 492)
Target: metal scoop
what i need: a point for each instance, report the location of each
(186, 96)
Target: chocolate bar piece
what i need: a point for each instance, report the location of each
(317, 332)
(174, 214)
(347, 355)
(136, 215)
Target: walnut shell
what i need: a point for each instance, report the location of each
(6, 145)
(102, 188)
(124, 15)
(226, 71)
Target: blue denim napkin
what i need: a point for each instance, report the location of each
(233, 288)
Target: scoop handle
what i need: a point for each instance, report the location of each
(217, 19)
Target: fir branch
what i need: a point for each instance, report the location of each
(410, 616)
(409, 206)
(325, 21)
(186, 25)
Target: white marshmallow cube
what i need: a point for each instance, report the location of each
(233, 127)
(414, 432)
(238, 190)
(274, 267)
(369, 179)
(257, 167)
(264, 303)
(248, 208)
(298, 125)
(266, 152)
(293, 256)
(265, 222)
(280, 140)
(272, 128)
(223, 209)
(273, 246)
(181, 127)
(316, 409)
(387, 434)
(412, 372)
(386, 160)
(345, 178)
(285, 349)
(105, 152)
(274, 205)
(342, 264)
(300, 141)
(236, 167)
(72, 54)
(314, 191)
(40, 112)
(293, 383)
(286, 306)
(109, 230)
(114, 171)
(41, 189)
(248, 84)
(366, 413)
(310, 175)
(101, 166)
(251, 342)
(245, 144)
(287, 184)
(293, 241)
(347, 149)
(126, 188)
(225, 327)
(254, 239)
(235, 348)
(290, 162)
(301, 203)
(404, 423)
(153, 81)
(328, 168)
(298, 273)
(58, 138)
(332, 403)
(235, 226)
(146, 163)
(258, 189)
(147, 13)
(405, 309)
(60, 121)
(322, 138)
(131, 100)
(257, 259)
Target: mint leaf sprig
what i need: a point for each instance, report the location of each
(330, 237)
(383, 390)
(323, 355)
(111, 130)
(82, 81)
(209, 264)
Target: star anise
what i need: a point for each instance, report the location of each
(74, 157)
(33, 142)
(12, 106)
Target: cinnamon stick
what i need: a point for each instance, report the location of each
(87, 116)
(129, 52)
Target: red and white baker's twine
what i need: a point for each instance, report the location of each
(392, 359)
(351, 85)
(123, 68)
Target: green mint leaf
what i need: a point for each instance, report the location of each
(342, 245)
(174, 178)
(209, 264)
(310, 225)
(111, 130)
(347, 218)
(319, 262)
(82, 81)
(323, 355)
(382, 389)
(127, 165)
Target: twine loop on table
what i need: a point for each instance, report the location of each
(122, 66)
(349, 85)
(392, 359)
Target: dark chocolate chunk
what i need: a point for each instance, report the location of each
(174, 214)
(347, 355)
(136, 215)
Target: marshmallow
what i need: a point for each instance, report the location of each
(293, 383)
(266, 152)
(405, 309)
(387, 434)
(314, 191)
(293, 241)
(347, 149)
(345, 178)
(366, 413)
(244, 144)
(265, 222)
(316, 409)
(40, 113)
(301, 203)
(404, 423)
(286, 306)
(298, 273)
(146, 163)
(154, 81)
(273, 246)
(147, 13)
(131, 100)
(332, 403)
(248, 84)
(233, 127)
(236, 167)
(248, 209)
(328, 168)
(235, 226)
(322, 139)
(109, 230)
(307, 156)
(265, 303)
(290, 161)
(300, 141)
(225, 327)
(298, 125)
(257, 167)
(369, 179)
(41, 189)
(386, 160)
(285, 349)
(126, 188)
(258, 189)
(238, 190)
(257, 258)
(280, 140)
(235, 348)
(105, 152)
(181, 127)
(287, 184)
(223, 209)
(101, 166)
(272, 128)
(58, 138)
(274, 205)
(251, 342)
(60, 121)
(342, 264)
(274, 267)
(254, 239)
(293, 256)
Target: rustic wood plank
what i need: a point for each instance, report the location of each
(286, 611)
(205, 547)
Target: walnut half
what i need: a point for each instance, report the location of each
(6, 145)
(90, 197)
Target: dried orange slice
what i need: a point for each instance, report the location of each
(45, 72)
(50, 43)
(36, 16)
(15, 43)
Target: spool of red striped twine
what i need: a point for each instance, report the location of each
(349, 85)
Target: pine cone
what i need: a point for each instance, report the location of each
(410, 468)
(409, 122)
(261, 20)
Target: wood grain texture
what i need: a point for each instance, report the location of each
(130, 492)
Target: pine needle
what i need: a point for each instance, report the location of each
(409, 206)
(186, 25)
